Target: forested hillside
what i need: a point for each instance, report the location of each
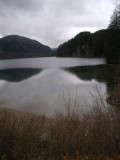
(15, 46)
(103, 43)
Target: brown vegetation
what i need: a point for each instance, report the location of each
(91, 135)
(63, 137)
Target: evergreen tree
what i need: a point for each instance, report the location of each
(115, 18)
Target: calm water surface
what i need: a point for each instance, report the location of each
(46, 85)
(49, 62)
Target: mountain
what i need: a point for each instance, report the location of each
(14, 46)
(103, 43)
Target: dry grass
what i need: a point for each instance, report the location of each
(67, 136)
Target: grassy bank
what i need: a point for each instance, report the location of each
(70, 135)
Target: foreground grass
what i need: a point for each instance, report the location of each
(69, 135)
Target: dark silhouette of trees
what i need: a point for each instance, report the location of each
(103, 43)
(115, 18)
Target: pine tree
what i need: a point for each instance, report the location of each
(115, 19)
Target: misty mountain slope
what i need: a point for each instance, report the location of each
(14, 46)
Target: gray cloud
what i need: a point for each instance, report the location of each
(53, 21)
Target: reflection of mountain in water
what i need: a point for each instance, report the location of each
(102, 73)
(48, 91)
(16, 75)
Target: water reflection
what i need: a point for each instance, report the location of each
(101, 73)
(16, 75)
(43, 90)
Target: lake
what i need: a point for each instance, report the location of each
(48, 85)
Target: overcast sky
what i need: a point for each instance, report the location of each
(52, 22)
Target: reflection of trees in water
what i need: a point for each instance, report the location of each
(114, 98)
(16, 75)
(110, 74)
(102, 73)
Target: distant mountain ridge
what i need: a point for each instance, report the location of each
(15, 46)
(103, 43)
